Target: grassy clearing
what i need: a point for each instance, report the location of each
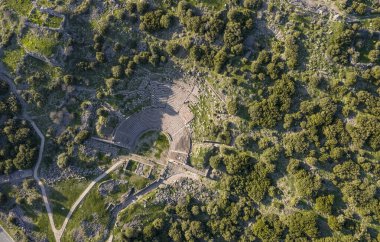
(53, 21)
(153, 143)
(42, 43)
(45, 19)
(13, 57)
(22, 7)
(33, 64)
(93, 207)
(63, 195)
(37, 17)
(160, 145)
(145, 213)
(200, 157)
(132, 165)
(43, 225)
(46, 3)
(204, 125)
(138, 182)
(34, 211)
(93, 210)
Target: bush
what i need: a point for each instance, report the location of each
(269, 228)
(232, 106)
(117, 71)
(374, 56)
(111, 83)
(216, 161)
(81, 136)
(155, 20)
(333, 223)
(12, 219)
(123, 60)
(196, 52)
(172, 48)
(62, 160)
(347, 171)
(100, 57)
(68, 79)
(102, 112)
(302, 225)
(130, 233)
(165, 21)
(128, 72)
(220, 60)
(324, 204)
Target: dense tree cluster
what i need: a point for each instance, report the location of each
(271, 109)
(155, 20)
(339, 43)
(18, 141)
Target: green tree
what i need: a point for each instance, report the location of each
(269, 228)
(302, 225)
(324, 204)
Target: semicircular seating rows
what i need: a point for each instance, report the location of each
(155, 119)
(168, 113)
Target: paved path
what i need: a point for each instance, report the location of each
(4, 236)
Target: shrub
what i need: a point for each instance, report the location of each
(269, 228)
(155, 20)
(324, 204)
(117, 71)
(220, 60)
(100, 57)
(123, 60)
(81, 136)
(128, 72)
(68, 79)
(374, 56)
(62, 160)
(302, 225)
